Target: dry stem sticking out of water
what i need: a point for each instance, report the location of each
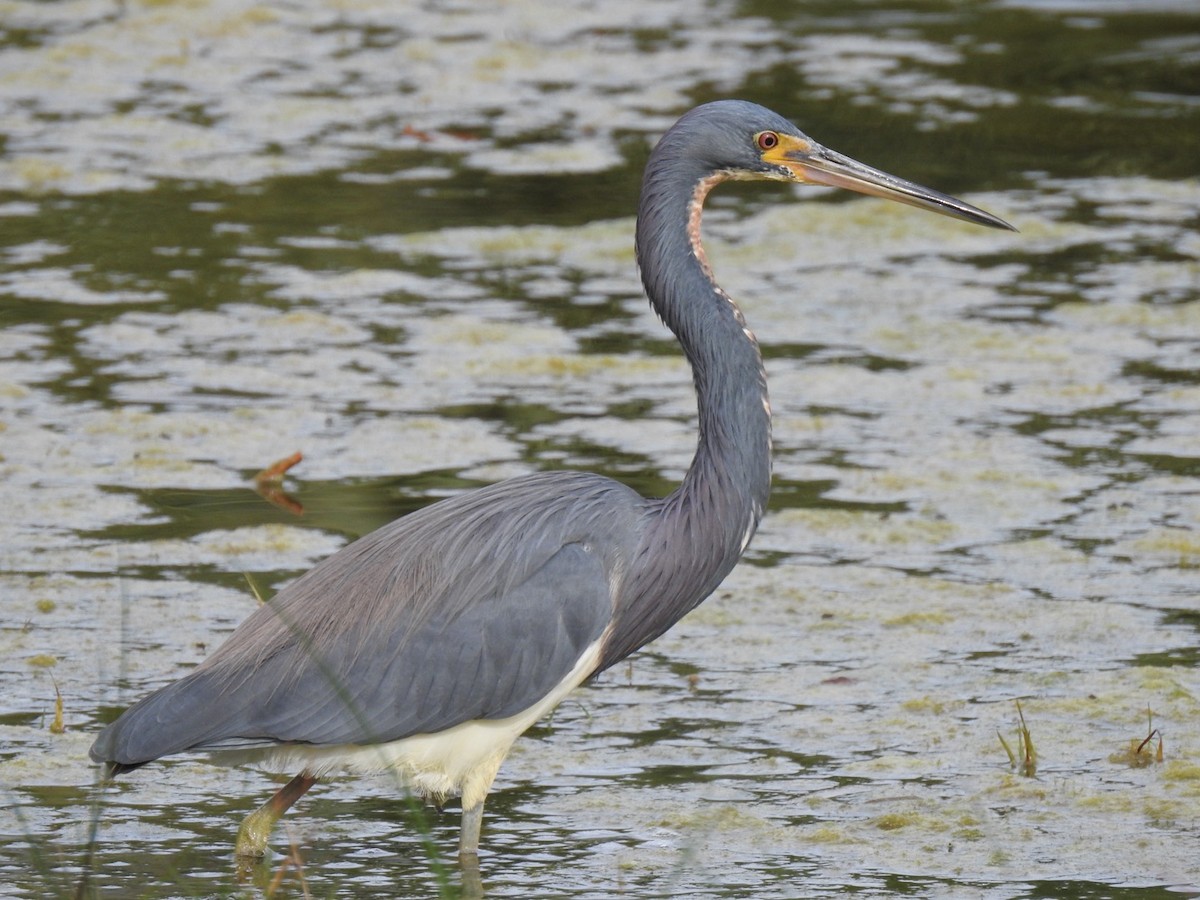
(1138, 754)
(269, 484)
(292, 861)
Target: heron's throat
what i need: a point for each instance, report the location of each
(696, 213)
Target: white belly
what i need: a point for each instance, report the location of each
(462, 760)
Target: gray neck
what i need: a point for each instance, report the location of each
(733, 459)
(699, 532)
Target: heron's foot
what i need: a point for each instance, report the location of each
(471, 879)
(256, 831)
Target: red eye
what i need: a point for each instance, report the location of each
(767, 140)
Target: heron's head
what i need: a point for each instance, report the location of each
(743, 140)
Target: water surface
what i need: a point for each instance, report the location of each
(400, 242)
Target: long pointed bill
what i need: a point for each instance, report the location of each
(811, 163)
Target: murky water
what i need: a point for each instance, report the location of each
(399, 240)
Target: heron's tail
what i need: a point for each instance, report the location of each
(173, 719)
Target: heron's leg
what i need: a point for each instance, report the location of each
(468, 836)
(256, 829)
(471, 878)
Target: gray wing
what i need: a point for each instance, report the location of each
(492, 661)
(474, 608)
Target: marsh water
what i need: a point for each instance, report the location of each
(397, 238)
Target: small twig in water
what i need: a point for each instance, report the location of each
(269, 484)
(1138, 755)
(292, 861)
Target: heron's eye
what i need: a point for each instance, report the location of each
(767, 140)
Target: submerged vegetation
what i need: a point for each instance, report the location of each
(1024, 760)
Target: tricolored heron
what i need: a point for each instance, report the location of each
(430, 645)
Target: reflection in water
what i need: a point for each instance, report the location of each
(404, 249)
